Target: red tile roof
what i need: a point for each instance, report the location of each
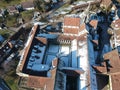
(71, 37)
(66, 37)
(71, 30)
(28, 48)
(42, 40)
(109, 55)
(71, 25)
(37, 82)
(114, 70)
(115, 81)
(100, 69)
(42, 82)
(114, 60)
(94, 23)
(71, 21)
(82, 27)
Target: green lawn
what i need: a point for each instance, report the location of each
(11, 21)
(27, 15)
(12, 80)
(11, 77)
(6, 33)
(3, 3)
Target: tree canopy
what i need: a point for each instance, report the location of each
(40, 5)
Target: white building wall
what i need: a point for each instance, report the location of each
(83, 63)
(74, 53)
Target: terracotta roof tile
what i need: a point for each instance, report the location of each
(100, 69)
(71, 30)
(82, 27)
(37, 82)
(71, 21)
(28, 48)
(71, 25)
(94, 23)
(42, 40)
(71, 37)
(41, 82)
(115, 80)
(113, 55)
(114, 61)
(66, 37)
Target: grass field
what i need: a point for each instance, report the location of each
(27, 15)
(6, 33)
(11, 77)
(12, 80)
